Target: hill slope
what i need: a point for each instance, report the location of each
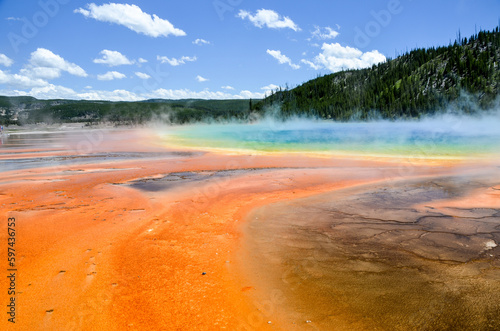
(23, 110)
(419, 82)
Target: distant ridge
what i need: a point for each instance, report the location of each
(28, 110)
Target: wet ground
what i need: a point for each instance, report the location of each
(71, 147)
(169, 181)
(381, 257)
(85, 159)
(117, 232)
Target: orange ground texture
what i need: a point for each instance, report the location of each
(94, 254)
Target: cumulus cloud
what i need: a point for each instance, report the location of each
(51, 91)
(335, 57)
(41, 72)
(141, 60)
(324, 33)
(20, 81)
(6, 61)
(201, 79)
(200, 42)
(311, 64)
(110, 75)
(268, 18)
(161, 93)
(282, 59)
(112, 58)
(270, 87)
(142, 75)
(46, 59)
(115, 95)
(205, 94)
(245, 94)
(175, 62)
(44, 65)
(227, 87)
(132, 17)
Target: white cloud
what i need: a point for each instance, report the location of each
(112, 58)
(205, 94)
(282, 59)
(324, 33)
(186, 94)
(141, 60)
(56, 92)
(49, 91)
(335, 57)
(41, 72)
(110, 75)
(44, 58)
(311, 64)
(4, 60)
(20, 81)
(200, 42)
(43, 65)
(227, 87)
(201, 79)
(269, 18)
(142, 75)
(338, 51)
(132, 17)
(373, 57)
(245, 94)
(175, 62)
(53, 92)
(115, 95)
(270, 87)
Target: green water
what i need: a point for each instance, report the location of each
(444, 138)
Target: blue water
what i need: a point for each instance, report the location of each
(444, 137)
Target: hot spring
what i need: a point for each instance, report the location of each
(443, 137)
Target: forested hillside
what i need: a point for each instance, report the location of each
(28, 110)
(420, 82)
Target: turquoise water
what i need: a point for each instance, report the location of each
(444, 137)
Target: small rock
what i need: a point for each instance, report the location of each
(268, 322)
(203, 273)
(308, 321)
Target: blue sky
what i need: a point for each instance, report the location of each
(220, 49)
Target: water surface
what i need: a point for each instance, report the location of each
(444, 138)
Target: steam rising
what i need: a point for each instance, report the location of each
(441, 136)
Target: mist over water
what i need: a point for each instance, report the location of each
(446, 136)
